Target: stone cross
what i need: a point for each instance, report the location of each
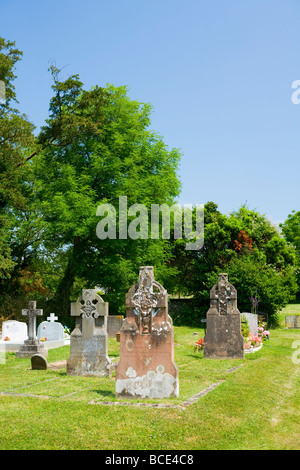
(32, 313)
(52, 317)
(89, 339)
(145, 300)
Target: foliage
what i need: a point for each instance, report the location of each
(16, 140)
(259, 262)
(100, 148)
(245, 329)
(291, 232)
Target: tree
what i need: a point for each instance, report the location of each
(247, 246)
(16, 141)
(97, 146)
(291, 232)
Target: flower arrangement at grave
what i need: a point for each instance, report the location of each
(264, 334)
(198, 345)
(43, 339)
(66, 332)
(7, 338)
(255, 340)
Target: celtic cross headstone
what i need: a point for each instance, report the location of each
(223, 337)
(89, 339)
(146, 367)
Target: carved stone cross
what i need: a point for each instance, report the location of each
(145, 299)
(32, 312)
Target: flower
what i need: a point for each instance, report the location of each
(6, 338)
(199, 344)
(254, 339)
(43, 339)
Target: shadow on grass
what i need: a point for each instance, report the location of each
(105, 393)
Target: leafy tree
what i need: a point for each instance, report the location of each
(291, 232)
(97, 147)
(247, 246)
(16, 141)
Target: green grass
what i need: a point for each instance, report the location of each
(255, 407)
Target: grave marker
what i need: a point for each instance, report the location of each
(38, 362)
(51, 330)
(89, 339)
(146, 367)
(31, 345)
(223, 337)
(16, 331)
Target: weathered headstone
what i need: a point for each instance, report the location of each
(89, 339)
(252, 319)
(223, 337)
(146, 367)
(32, 345)
(51, 330)
(114, 323)
(292, 321)
(38, 362)
(16, 331)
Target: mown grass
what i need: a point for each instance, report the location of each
(256, 407)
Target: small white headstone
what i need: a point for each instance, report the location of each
(51, 330)
(16, 331)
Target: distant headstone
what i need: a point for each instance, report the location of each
(114, 323)
(51, 330)
(89, 339)
(31, 345)
(223, 337)
(146, 367)
(292, 321)
(252, 320)
(38, 362)
(16, 331)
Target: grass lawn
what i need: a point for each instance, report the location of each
(254, 407)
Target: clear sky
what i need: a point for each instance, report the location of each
(218, 73)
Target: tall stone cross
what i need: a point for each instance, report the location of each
(32, 312)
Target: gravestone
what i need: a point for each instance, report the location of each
(51, 330)
(146, 367)
(89, 339)
(223, 337)
(252, 320)
(32, 345)
(16, 331)
(38, 362)
(292, 321)
(114, 323)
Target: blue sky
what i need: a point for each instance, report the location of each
(218, 74)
